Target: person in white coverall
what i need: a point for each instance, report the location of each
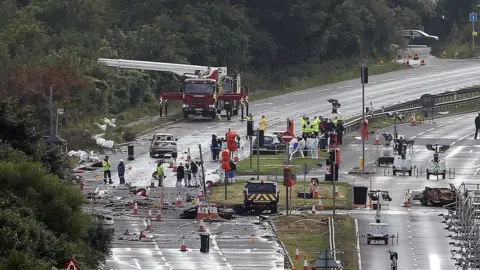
(313, 147)
(301, 146)
(291, 145)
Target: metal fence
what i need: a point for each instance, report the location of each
(463, 221)
(444, 101)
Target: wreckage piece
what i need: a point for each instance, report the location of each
(191, 213)
(438, 196)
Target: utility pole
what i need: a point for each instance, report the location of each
(203, 174)
(364, 80)
(50, 103)
(395, 125)
(334, 185)
(258, 154)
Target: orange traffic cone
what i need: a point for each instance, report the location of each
(202, 226)
(313, 210)
(171, 165)
(159, 216)
(319, 205)
(143, 235)
(305, 264)
(183, 248)
(149, 224)
(297, 254)
(135, 209)
(149, 214)
(131, 205)
(337, 194)
(179, 202)
(377, 140)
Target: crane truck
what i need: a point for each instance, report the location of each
(207, 91)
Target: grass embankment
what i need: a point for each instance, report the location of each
(309, 233)
(273, 164)
(235, 195)
(464, 50)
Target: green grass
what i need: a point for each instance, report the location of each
(235, 195)
(273, 164)
(309, 233)
(464, 50)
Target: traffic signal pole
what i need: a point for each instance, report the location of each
(334, 166)
(258, 154)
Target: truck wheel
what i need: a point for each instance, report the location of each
(152, 155)
(274, 209)
(185, 115)
(423, 202)
(428, 176)
(410, 173)
(214, 115)
(386, 241)
(394, 172)
(368, 241)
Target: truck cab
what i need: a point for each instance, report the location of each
(261, 195)
(199, 97)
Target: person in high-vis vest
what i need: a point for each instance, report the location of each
(106, 170)
(302, 124)
(263, 123)
(160, 173)
(249, 117)
(316, 126)
(335, 121)
(308, 129)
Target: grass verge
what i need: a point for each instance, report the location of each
(235, 195)
(464, 50)
(309, 233)
(273, 164)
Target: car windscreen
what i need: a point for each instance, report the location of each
(164, 138)
(266, 140)
(264, 188)
(199, 88)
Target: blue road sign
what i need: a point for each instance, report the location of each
(473, 17)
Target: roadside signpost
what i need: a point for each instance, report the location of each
(473, 18)
(286, 137)
(428, 101)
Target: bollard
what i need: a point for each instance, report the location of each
(362, 164)
(131, 155)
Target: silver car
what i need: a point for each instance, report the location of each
(163, 145)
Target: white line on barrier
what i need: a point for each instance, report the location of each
(359, 255)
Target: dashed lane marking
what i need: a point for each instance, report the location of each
(430, 129)
(413, 137)
(301, 93)
(453, 143)
(421, 133)
(388, 80)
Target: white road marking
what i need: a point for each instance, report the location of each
(421, 133)
(323, 90)
(277, 107)
(416, 150)
(470, 151)
(430, 129)
(137, 264)
(288, 104)
(261, 104)
(302, 93)
(449, 122)
(453, 143)
(413, 137)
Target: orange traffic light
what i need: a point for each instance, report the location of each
(226, 160)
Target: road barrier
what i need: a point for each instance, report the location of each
(443, 102)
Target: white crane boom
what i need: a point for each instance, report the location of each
(180, 69)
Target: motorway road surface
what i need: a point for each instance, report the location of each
(423, 242)
(436, 76)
